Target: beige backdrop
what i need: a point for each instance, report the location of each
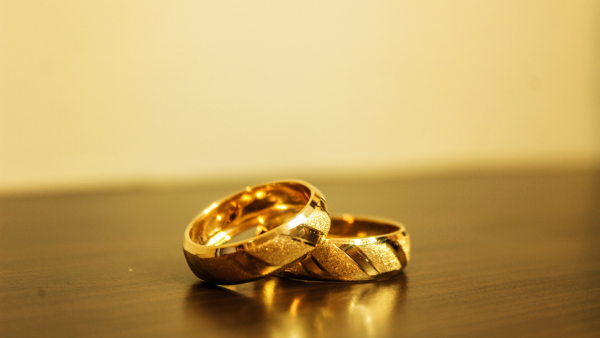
(115, 92)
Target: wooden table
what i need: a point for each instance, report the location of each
(503, 255)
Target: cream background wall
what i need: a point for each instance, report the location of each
(115, 92)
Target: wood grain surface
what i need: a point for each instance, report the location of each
(493, 255)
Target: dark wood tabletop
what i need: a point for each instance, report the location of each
(494, 254)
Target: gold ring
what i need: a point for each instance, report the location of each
(356, 249)
(256, 232)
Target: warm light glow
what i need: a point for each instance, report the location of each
(294, 306)
(260, 194)
(219, 217)
(261, 220)
(281, 206)
(300, 219)
(212, 206)
(269, 293)
(218, 239)
(365, 240)
(348, 218)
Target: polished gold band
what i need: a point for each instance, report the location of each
(285, 221)
(356, 249)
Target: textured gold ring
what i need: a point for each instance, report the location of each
(356, 249)
(256, 232)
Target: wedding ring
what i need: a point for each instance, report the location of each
(256, 232)
(356, 249)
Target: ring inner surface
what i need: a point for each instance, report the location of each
(250, 213)
(358, 228)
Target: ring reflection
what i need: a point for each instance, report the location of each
(276, 307)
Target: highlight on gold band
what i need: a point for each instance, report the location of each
(257, 232)
(356, 249)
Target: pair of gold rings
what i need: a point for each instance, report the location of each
(284, 229)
